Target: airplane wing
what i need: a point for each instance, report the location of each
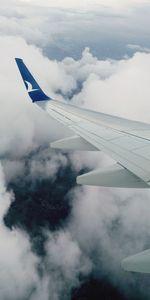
(125, 141)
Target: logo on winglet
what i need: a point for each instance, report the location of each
(29, 87)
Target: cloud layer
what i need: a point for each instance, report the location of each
(18, 264)
(57, 30)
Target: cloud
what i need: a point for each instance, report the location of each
(67, 261)
(23, 274)
(63, 3)
(127, 86)
(138, 48)
(18, 264)
(110, 225)
(85, 4)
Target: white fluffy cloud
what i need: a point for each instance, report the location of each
(18, 264)
(19, 274)
(124, 92)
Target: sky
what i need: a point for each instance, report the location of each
(85, 3)
(60, 241)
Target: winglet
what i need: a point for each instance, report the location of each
(34, 90)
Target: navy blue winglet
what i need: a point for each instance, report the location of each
(34, 90)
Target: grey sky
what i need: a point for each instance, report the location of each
(65, 30)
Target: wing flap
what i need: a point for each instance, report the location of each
(73, 143)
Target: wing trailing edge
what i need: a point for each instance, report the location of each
(73, 143)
